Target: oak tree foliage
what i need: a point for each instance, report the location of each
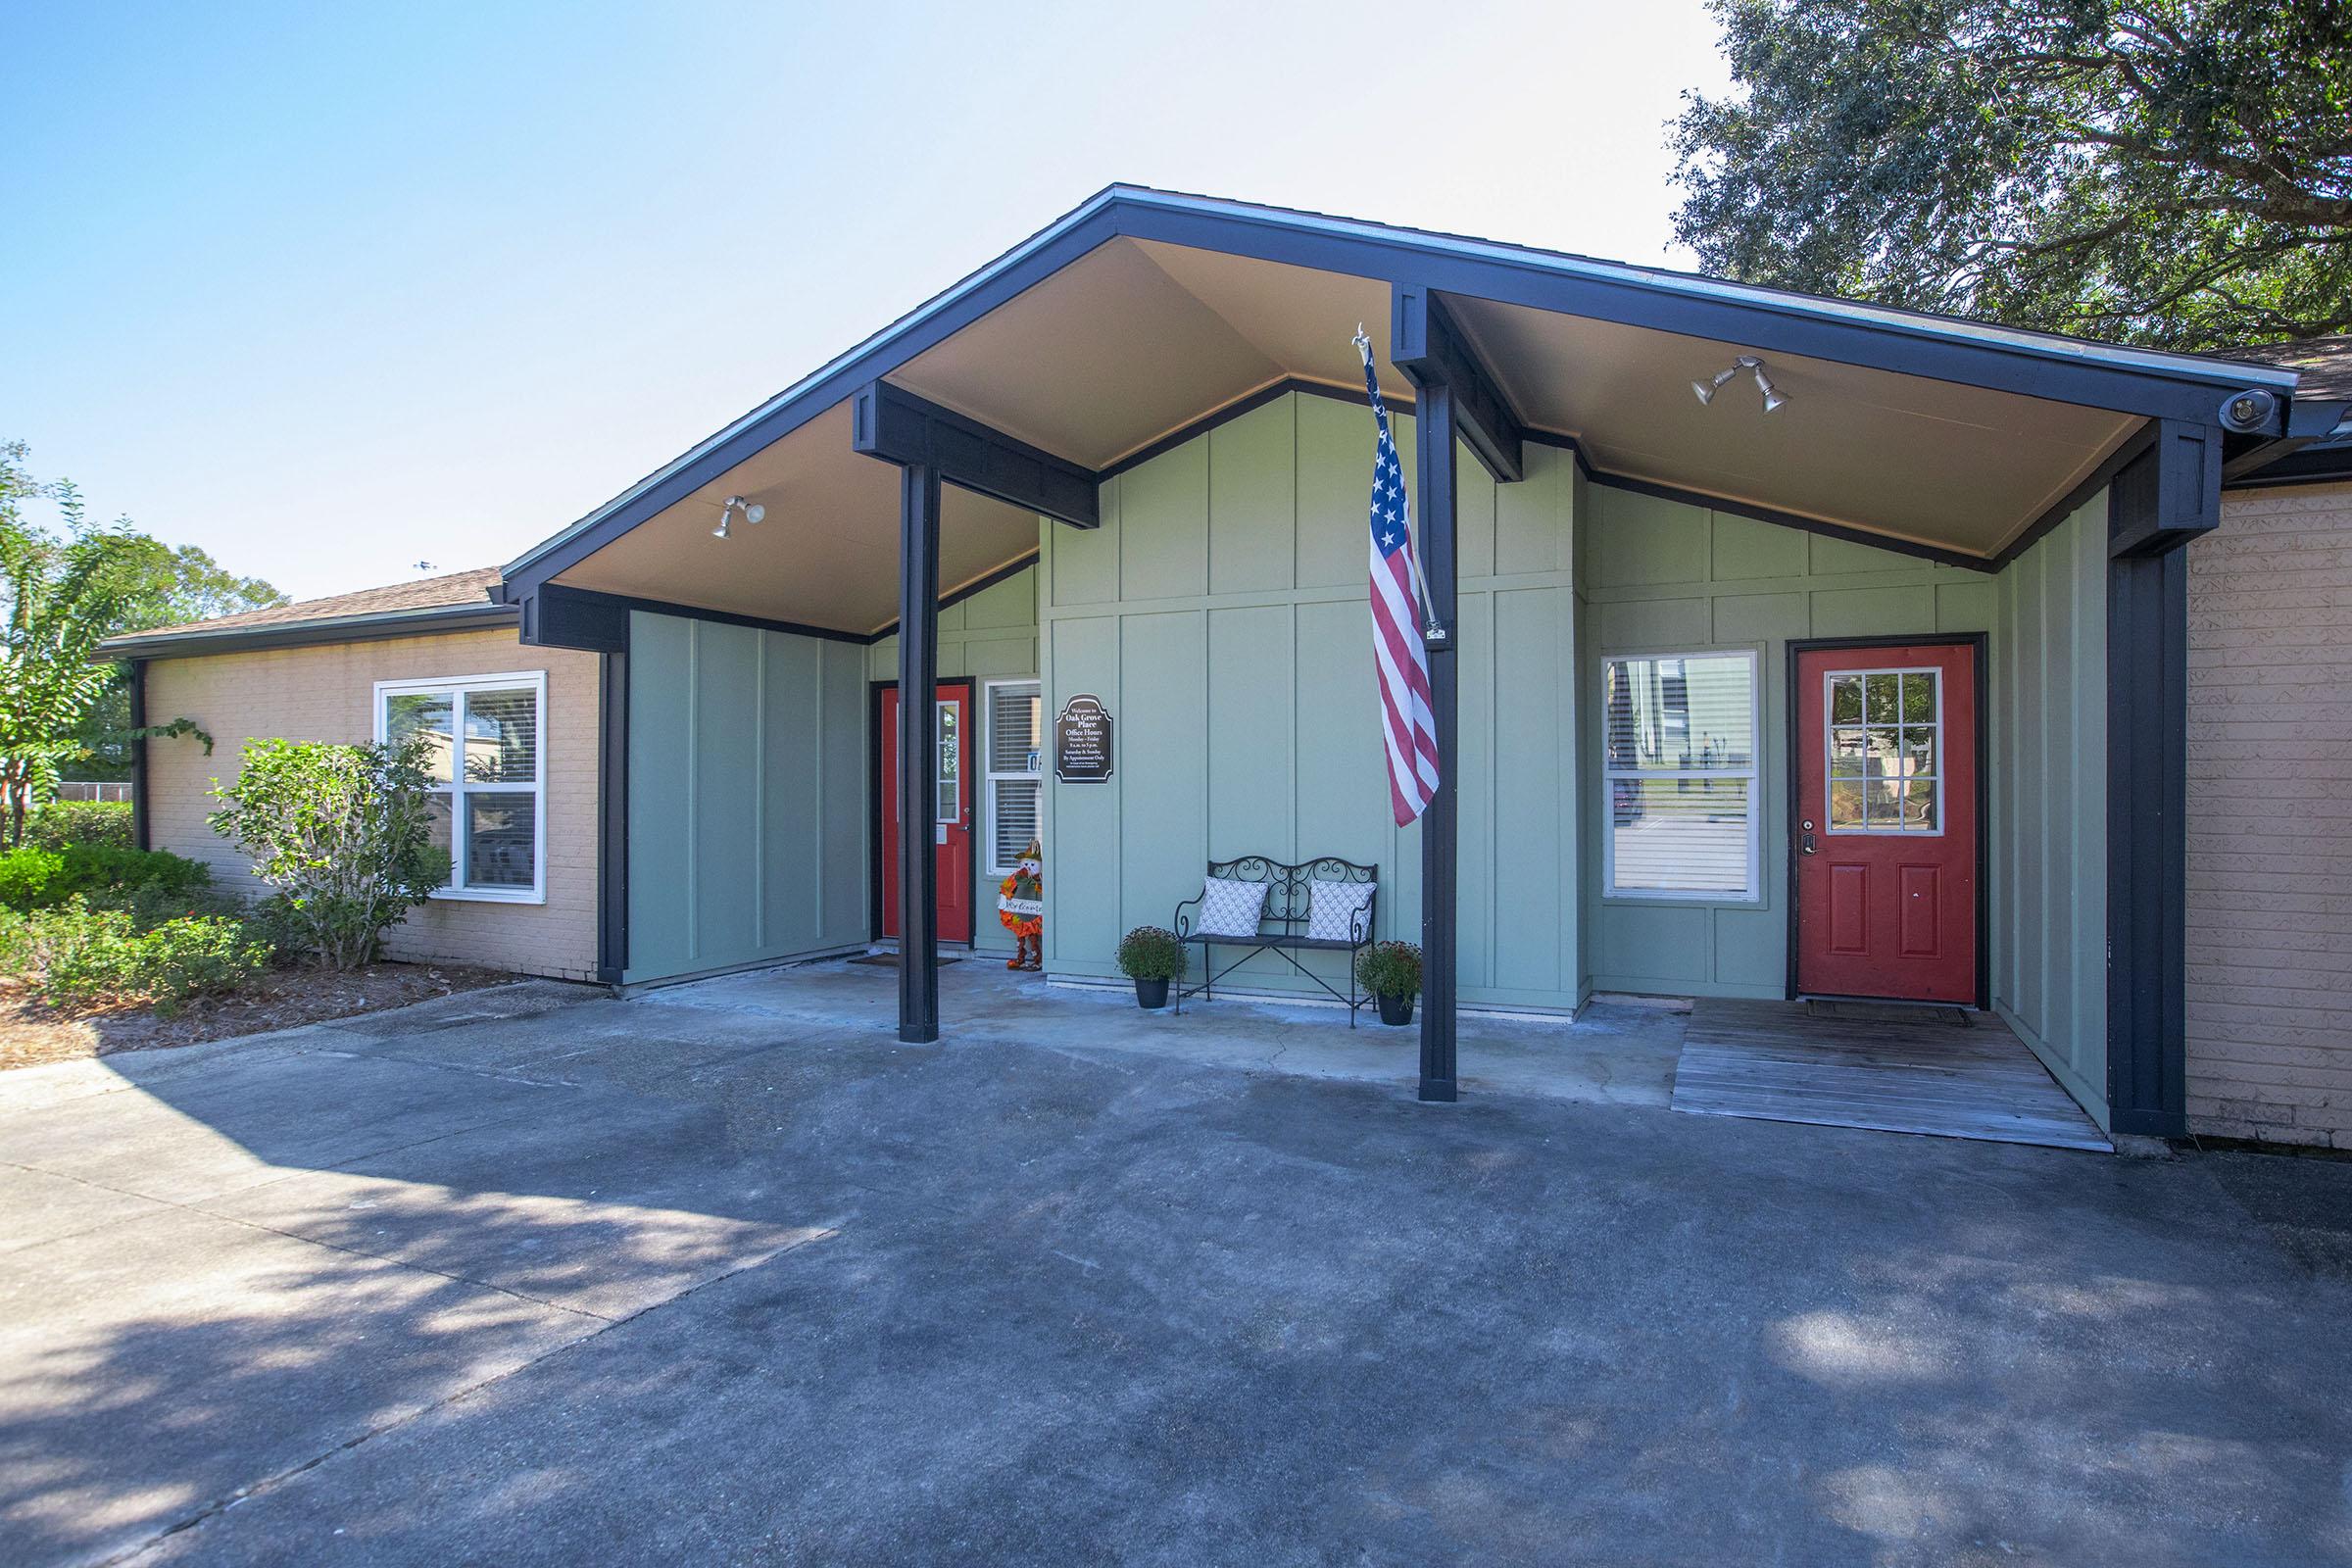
(2177, 173)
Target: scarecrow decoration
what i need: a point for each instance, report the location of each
(1021, 906)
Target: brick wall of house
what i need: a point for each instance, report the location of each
(2270, 818)
(326, 693)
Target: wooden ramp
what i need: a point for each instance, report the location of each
(1933, 1070)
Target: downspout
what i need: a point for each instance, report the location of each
(141, 832)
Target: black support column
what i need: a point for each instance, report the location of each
(142, 831)
(2160, 501)
(918, 747)
(1433, 438)
(1458, 399)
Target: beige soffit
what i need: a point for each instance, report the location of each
(827, 553)
(1925, 460)
(1137, 341)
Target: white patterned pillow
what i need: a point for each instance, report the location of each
(1230, 909)
(1331, 909)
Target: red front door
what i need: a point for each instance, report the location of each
(1887, 822)
(952, 798)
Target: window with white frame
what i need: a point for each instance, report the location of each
(1015, 781)
(482, 736)
(1680, 776)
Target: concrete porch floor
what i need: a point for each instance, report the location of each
(1613, 1053)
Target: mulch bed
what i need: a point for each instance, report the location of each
(33, 1033)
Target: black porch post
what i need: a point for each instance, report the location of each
(919, 747)
(1433, 436)
(141, 823)
(2159, 502)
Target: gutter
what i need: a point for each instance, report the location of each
(2316, 447)
(197, 642)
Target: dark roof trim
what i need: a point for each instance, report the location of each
(568, 633)
(2066, 369)
(2319, 463)
(310, 633)
(2080, 496)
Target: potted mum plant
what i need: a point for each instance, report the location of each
(1151, 956)
(1392, 972)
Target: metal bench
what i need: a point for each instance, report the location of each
(1281, 925)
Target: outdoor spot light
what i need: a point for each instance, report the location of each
(2247, 411)
(1705, 391)
(750, 511)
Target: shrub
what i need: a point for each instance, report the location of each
(343, 832)
(1390, 970)
(27, 878)
(64, 822)
(32, 879)
(1151, 953)
(75, 954)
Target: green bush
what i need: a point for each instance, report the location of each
(33, 880)
(26, 877)
(1390, 970)
(343, 832)
(64, 822)
(1151, 953)
(75, 954)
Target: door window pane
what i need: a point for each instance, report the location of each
(950, 765)
(1882, 774)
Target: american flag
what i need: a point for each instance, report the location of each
(1403, 664)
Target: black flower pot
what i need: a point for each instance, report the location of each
(1396, 1009)
(1152, 993)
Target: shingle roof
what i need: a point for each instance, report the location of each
(457, 588)
(2325, 364)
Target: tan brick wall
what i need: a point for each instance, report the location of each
(328, 693)
(2270, 818)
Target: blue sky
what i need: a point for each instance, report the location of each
(331, 290)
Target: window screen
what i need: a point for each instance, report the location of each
(1014, 712)
(1680, 772)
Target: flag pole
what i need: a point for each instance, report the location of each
(1430, 631)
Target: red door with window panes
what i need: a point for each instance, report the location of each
(952, 807)
(1885, 823)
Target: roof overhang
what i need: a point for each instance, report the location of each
(433, 621)
(1142, 314)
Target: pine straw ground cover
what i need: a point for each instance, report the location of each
(33, 1033)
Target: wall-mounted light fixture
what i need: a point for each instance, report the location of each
(749, 510)
(1705, 391)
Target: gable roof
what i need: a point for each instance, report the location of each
(2135, 381)
(459, 599)
(2325, 363)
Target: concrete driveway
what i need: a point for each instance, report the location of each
(710, 1276)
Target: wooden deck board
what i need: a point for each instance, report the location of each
(1775, 1061)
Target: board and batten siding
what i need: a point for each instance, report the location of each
(2049, 817)
(2270, 818)
(991, 635)
(1220, 613)
(327, 692)
(748, 785)
(1660, 576)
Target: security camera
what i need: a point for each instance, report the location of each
(2249, 409)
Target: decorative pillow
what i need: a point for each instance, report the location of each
(1230, 909)
(1331, 909)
